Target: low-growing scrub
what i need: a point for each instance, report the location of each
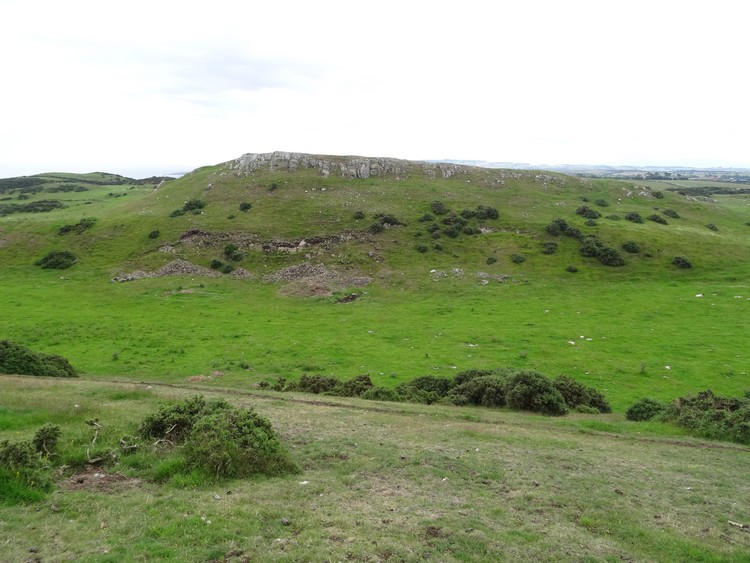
(634, 217)
(81, 227)
(57, 260)
(516, 389)
(17, 359)
(631, 246)
(656, 218)
(705, 415)
(682, 262)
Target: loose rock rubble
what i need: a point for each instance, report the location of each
(174, 268)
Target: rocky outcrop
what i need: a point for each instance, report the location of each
(343, 166)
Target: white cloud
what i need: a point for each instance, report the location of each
(157, 85)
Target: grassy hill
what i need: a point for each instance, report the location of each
(340, 273)
(465, 305)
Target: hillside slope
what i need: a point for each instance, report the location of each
(430, 277)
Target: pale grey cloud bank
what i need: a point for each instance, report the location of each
(157, 87)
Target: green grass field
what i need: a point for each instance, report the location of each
(418, 482)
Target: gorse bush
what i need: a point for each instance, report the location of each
(24, 475)
(532, 391)
(549, 247)
(656, 218)
(245, 206)
(578, 395)
(82, 226)
(518, 258)
(712, 227)
(233, 442)
(175, 422)
(682, 262)
(588, 212)
(194, 205)
(711, 416)
(45, 439)
(57, 260)
(671, 213)
(634, 217)
(17, 359)
(644, 409)
(631, 246)
(439, 208)
(518, 389)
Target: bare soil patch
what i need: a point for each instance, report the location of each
(98, 480)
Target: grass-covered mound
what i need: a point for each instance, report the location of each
(524, 390)
(17, 359)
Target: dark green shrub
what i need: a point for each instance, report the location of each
(194, 205)
(532, 391)
(468, 214)
(472, 231)
(82, 226)
(455, 220)
(387, 219)
(490, 260)
(17, 359)
(381, 394)
(230, 249)
(45, 439)
(437, 246)
(352, 387)
(439, 208)
(572, 269)
(236, 443)
(610, 256)
(273, 186)
(588, 212)
(426, 218)
(246, 206)
(613, 217)
(656, 218)
(644, 409)
(227, 269)
(682, 262)
(487, 212)
(314, 384)
(429, 383)
(358, 215)
(557, 227)
(573, 232)
(236, 256)
(712, 227)
(631, 246)
(577, 395)
(549, 247)
(154, 234)
(469, 374)
(591, 247)
(216, 264)
(422, 248)
(177, 213)
(634, 217)
(711, 416)
(436, 235)
(590, 223)
(658, 195)
(486, 391)
(517, 258)
(601, 202)
(376, 228)
(671, 213)
(174, 423)
(451, 232)
(434, 227)
(57, 260)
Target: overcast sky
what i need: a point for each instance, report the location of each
(161, 86)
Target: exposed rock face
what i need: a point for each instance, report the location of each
(344, 166)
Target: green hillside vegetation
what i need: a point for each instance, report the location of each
(396, 343)
(459, 291)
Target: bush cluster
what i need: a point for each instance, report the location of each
(245, 206)
(41, 206)
(671, 213)
(560, 227)
(592, 247)
(453, 224)
(712, 227)
(656, 218)
(57, 260)
(194, 205)
(518, 258)
(588, 212)
(82, 226)
(517, 389)
(634, 217)
(704, 415)
(631, 246)
(220, 439)
(17, 359)
(682, 262)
